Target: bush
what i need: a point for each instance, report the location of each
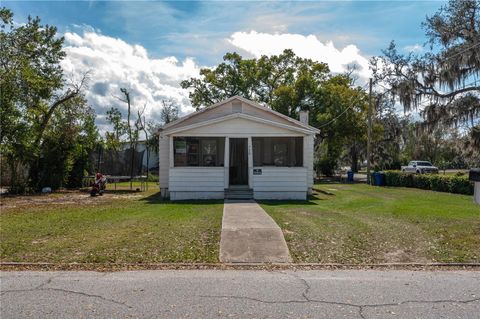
(152, 178)
(435, 182)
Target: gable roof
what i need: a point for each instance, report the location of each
(232, 116)
(295, 123)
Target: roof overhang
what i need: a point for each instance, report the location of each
(304, 130)
(249, 102)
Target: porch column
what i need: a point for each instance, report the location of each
(226, 161)
(170, 140)
(250, 163)
(308, 145)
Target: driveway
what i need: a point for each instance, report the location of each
(241, 294)
(250, 235)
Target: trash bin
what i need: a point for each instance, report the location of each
(350, 176)
(378, 179)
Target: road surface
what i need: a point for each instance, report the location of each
(241, 294)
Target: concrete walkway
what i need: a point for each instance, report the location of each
(249, 235)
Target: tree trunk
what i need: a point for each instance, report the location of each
(354, 158)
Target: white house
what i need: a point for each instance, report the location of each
(237, 149)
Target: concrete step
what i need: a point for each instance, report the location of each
(235, 193)
(244, 193)
(239, 196)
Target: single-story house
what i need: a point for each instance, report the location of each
(236, 148)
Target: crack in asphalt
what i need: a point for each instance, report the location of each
(43, 284)
(42, 287)
(304, 300)
(360, 307)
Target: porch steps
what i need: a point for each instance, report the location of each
(238, 193)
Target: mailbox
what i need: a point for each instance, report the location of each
(474, 176)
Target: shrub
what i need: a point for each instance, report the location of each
(152, 178)
(439, 183)
(460, 185)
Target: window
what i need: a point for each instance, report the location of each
(424, 164)
(277, 151)
(198, 151)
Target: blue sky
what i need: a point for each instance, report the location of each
(150, 47)
(185, 28)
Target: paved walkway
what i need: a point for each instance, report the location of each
(249, 235)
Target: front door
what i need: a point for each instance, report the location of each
(238, 161)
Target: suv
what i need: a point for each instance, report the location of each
(419, 167)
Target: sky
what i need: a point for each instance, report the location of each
(150, 47)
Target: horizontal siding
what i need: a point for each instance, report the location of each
(197, 179)
(195, 195)
(280, 195)
(281, 179)
(281, 189)
(239, 127)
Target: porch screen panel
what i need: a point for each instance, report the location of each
(278, 151)
(198, 151)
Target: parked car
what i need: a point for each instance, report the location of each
(420, 167)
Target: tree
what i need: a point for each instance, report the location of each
(285, 82)
(441, 83)
(113, 139)
(69, 139)
(341, 116)
(33, 91)
(288, 84)
(169, 111)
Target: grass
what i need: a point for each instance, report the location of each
(117, 227)
(342, 223)
(358, 223)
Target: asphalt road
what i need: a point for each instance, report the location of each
(241, 294)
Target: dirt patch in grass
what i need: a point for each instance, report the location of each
(65, 198)
(117, 227)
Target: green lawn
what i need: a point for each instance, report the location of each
(342, 223)
(357, 223)
(117, 227)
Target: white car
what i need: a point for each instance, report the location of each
(419, 167)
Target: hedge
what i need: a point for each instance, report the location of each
(435, 182)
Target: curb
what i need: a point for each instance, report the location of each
(19, 266)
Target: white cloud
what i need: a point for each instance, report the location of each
(416, 48)
(258, 44)
(114, 64)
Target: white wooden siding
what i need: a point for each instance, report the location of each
(239, 127)
(228, 108)
(280, 183)
(196, 182)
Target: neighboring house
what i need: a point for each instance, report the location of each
(236, 147)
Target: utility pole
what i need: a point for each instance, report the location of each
(369, 132)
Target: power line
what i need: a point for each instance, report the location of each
(344, 111)
(335, 118)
